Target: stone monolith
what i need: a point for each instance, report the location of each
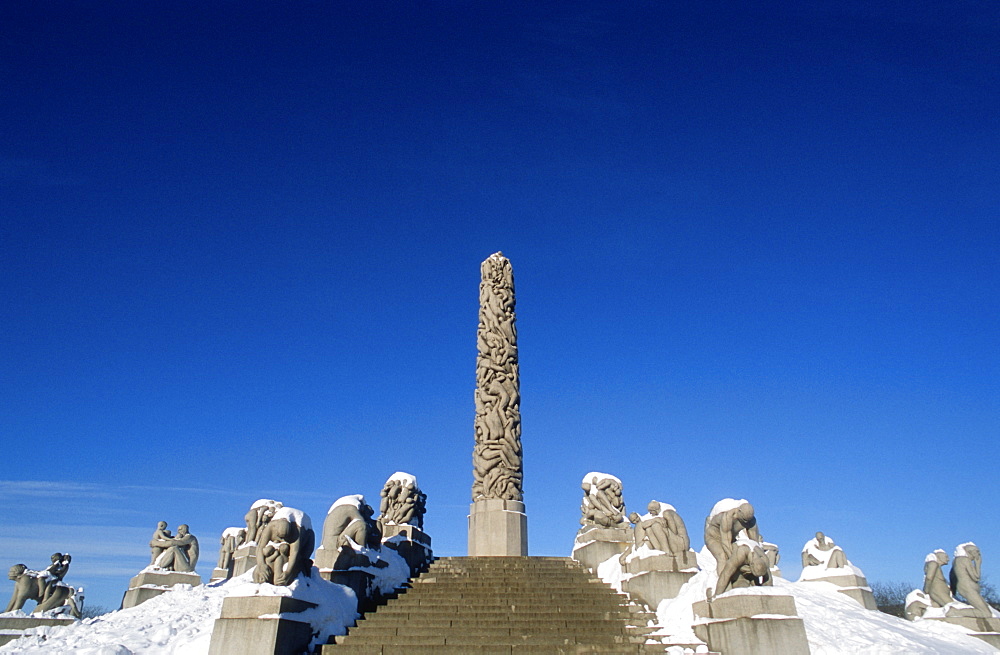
(497, 522)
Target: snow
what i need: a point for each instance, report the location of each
(960, 549)
(835, 623)
(589, 478)
(231, 532)
(726, 504)
(180, 621)
(355, 500)
(405, 478)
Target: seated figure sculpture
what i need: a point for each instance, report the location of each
(350, 520)
(603, 505)
(728, 520)
(178, 553)
(285, 548)
(402, 502)
(964, 578)
(663, 530)
(822, 552)
(38, 586)
(746, 566)
(935, 586)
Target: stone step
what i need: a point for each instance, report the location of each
(490, 649)
(510, 605)
(454, 619)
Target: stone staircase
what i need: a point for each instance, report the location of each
(486, 605)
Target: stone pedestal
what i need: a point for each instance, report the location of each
(14, 627)
(750, 624)
(244, 559)
(650, 587)
(594, 545)
(498, 527)
(855, 586)
(221, 574)
(412, 544)
(149, 584)
(986, 629)
(240, 630)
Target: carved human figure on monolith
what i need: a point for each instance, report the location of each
(42, 588)
(935, 586)
(402, 502)
(602, 504)
(729, 519)
(179, 553)
(964, 578)
(821, 551)
(497, 465)
(285, 546)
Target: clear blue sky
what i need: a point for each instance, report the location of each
(755, 250)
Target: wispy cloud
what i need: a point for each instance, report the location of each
(50, 489)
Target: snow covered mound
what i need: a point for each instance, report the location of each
(835, 624)
(180, 622)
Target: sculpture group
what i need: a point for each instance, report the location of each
(45, 587)
(957, 599)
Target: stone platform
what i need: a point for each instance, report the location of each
(14, 627)
(594, 545)
(855, 586)
(260, 625)
(751, 624)
(150, 584)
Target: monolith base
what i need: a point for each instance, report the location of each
(498, 528)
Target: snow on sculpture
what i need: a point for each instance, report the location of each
(174, 553)
(733, 538)
(258, 516)
(936, 587)
(602, 504)
(823, 553)
(964, 578)
(661, 530)
(402, 502)
(285, 546)
(44, 587)
(496, 458)
(231, 539)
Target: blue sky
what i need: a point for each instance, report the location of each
(755, 253)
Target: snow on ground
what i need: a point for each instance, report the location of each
(180, 622)
(835, 624)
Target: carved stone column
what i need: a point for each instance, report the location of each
(497, 522)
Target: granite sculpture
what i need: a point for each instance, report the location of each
(231, 539)
(349, 522)
(402, 502)
(729, 519)
(178, 553)
(659, 560)
(497, 523)
(936, 588)
(825, 561)
(773, 557)
(174, 558)
(822, 552)
(746, 566)
(285, 546)
(965, 576)
(258, 516)
(45, 587)
(401, 521)
(605, 529)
